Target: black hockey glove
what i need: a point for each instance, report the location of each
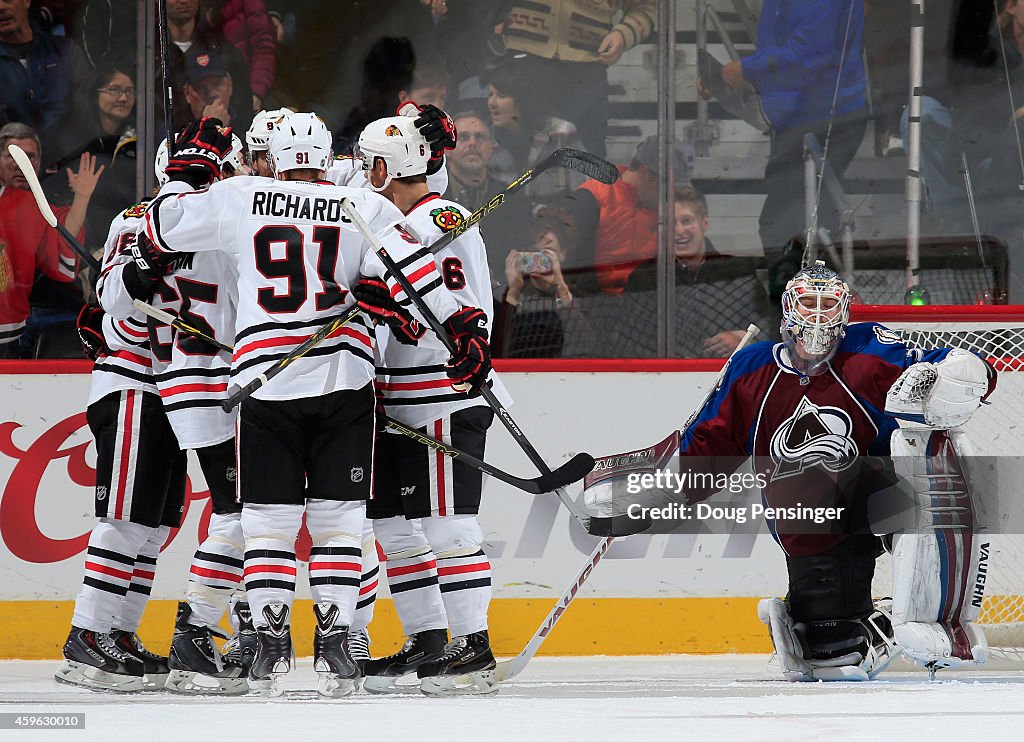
(148, 265)
(469, 366)
(198, 151)
(90, 332)
(438, 129)
(374, 297)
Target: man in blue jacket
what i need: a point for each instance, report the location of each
(808, 56)
(38, 71)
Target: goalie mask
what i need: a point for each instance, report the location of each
(300, 141)
(398, 142)
(815, 312)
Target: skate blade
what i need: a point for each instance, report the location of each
(385, 685)
(93, 678)
(271, 687)
(330, 685)
(195, 683)
(154, 682)
(480, 683)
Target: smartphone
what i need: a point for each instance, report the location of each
(534, 262)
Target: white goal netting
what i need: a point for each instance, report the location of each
(996, 430)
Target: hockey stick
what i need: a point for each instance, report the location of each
(571, 471)
(571, 159)
(508, 669)
(25, 165)
(597, 525)
(165, 70)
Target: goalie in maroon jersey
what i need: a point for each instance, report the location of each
(819, 414)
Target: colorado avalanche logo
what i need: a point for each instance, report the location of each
(447, 218)
(813, 436)
(392, 131)
(886, 337)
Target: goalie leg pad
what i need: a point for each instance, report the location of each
(940, 564)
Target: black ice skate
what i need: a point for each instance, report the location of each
(93, 660)
(154, 665)
(273, 651)
(334, 666)
(241, 648)
(359, 648)
(383, 674)
(196, 665)
(466, 667)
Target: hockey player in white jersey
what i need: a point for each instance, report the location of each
(140, 479)
(425, 505)
(433, 124)
(257, 139)
(192, 376)
(305, 442)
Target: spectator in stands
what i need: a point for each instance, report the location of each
(27, 242)
(575, 42)
(537, 311)
(387, 71)
(102, 123)
(195, 48)
(471, 184)
(38, 71)
(246, 26)
(716, 296)
(618, 223)
(429, 86)
(525, 129)
(807, 60)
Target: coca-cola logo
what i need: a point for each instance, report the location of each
(22, 523)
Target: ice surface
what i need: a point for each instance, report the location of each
(635, 699)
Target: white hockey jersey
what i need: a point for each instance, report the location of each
(346, 170)
(412, 378)
(129, 365)
(297, 257)
(192, 375)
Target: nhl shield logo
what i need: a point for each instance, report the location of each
(357, 474)
(230, 474)
(101, 493)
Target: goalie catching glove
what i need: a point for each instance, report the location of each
(374, 298)
(941, 395)
(198, 152)
(471, 363)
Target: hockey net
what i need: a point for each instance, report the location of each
(997, 429)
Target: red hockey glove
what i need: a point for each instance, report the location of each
(198, 151)
(469, 366)
(374, 297)
(90, 332)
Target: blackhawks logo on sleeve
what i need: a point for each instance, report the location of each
(137, 211)
(447, 218)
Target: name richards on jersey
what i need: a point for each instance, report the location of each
(292, 206)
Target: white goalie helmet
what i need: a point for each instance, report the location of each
(398, 142)
(299, 141)
(160, 163)
(257, 139)
(815, 312)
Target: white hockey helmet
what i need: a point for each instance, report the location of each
(234, 158)
(300, 140)
(398, 142)
(160, 163)
(815, 312)
(258, 137)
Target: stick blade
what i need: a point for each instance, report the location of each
(571, 471)
(25, 165)
(587, 164)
